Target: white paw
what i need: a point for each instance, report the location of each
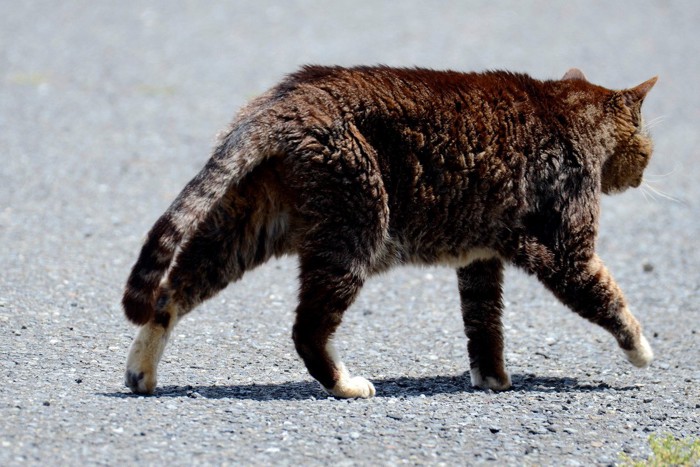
(489, 382)
(141, 365)
(351, 388)
(642, 355)
(355, 387)
(140, 374)
(347, 387)
(140, 382)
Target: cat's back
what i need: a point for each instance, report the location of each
(367, 84)
(449, 146)
(398, 108)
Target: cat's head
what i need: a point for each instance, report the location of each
(624, 167)
(628, 144)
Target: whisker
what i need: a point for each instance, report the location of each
(660, 118)
(653, 122)
(652, 175)
(661, 193)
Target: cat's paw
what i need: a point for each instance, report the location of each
(352, 388)
(140, 374)
(140, 382)
(641, 355)
(495, 383)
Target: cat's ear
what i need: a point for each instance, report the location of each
(574, 74)
(633, 97)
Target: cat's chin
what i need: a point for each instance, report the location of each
(490, 382)
(641, 355)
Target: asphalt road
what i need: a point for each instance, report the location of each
(108, 108)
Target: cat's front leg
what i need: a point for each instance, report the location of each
(480, 290)
(583, 283)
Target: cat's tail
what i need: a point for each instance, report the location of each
(238, 153)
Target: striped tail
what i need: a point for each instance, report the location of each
(237, 155)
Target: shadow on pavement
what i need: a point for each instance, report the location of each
(387, 387)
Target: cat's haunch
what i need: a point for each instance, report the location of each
(357, 170)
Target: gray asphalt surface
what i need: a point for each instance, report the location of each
(106, 111)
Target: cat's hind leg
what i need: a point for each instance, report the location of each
(147, 349)
(202, 269)
(343, 203)
(480, 291)
(222, 248)
(326, 291)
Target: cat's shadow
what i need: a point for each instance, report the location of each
(388, 387)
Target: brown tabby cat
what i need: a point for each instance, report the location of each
(358, 170)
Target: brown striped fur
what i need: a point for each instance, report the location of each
(358, 170)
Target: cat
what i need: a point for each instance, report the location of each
(357, 170)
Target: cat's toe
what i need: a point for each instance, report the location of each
(139, 382)
(641, 355)
(351, 388)
(495, 383)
